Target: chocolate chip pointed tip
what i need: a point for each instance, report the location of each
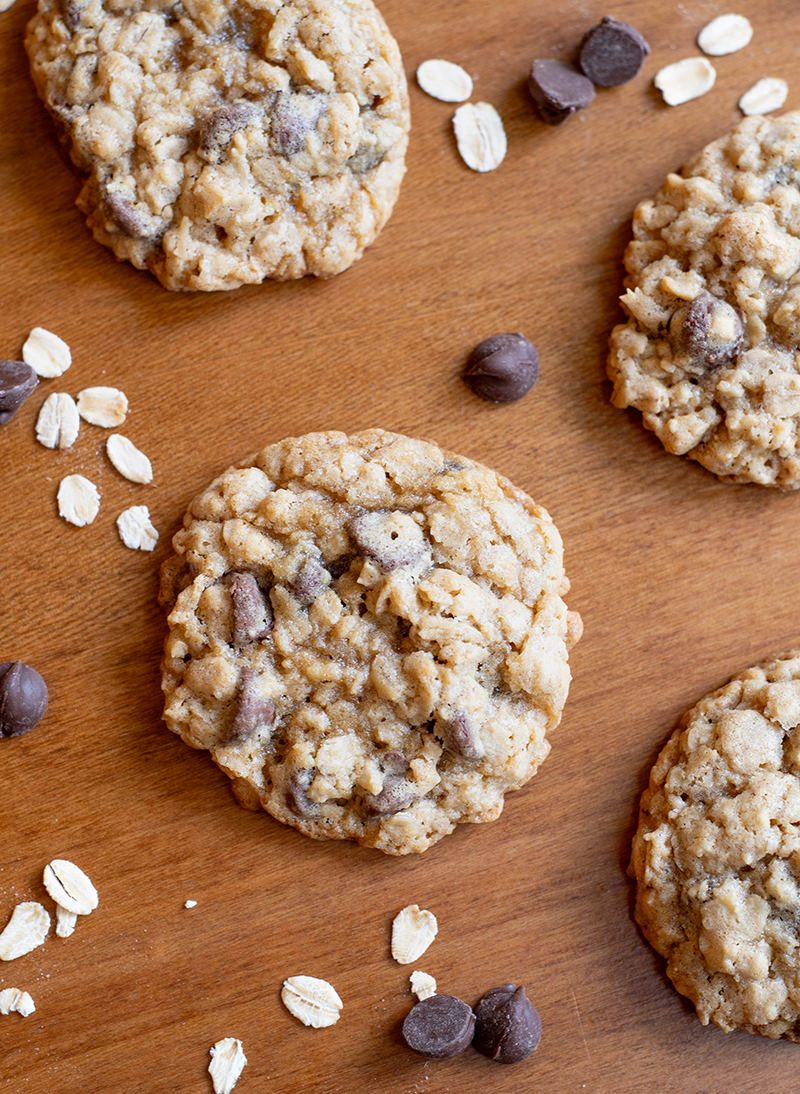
(507, 1025)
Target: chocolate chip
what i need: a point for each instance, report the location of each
(339, 566)
(308, 582)
(252, 711)
(708, 329)
(218, 128)
(23, 698)
(17, 381)
(559, 90)
(439, 1027)
(252, 615)
(503, 368)
(611, 53)
(297, 799)
(460, 736)
(507, 1025)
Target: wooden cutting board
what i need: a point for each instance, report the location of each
(681, 582)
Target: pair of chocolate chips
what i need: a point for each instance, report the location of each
(505, 1026)
(610, 54)
(17, 381)
(23, 698)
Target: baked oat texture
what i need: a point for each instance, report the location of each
(227, 141)
(368, 635)
(709, 354)
(717, 853)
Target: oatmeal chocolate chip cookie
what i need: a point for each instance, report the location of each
(227, 141)
(711, 352)
(369, 636)
(717, 853)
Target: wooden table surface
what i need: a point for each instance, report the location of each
(681, 581)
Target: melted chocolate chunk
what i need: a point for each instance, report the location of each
(439, 1027)
(218, 128)
(503, 368)
(390, 539)
(708, 329)
(125, 216)
(612, 52)
(460, 736)
(252, 615)
(23, 698)
(252, 712)
(507, 1025)
(559, 90)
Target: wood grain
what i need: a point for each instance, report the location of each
(681, 581)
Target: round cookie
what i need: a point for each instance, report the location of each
(717, 853)
(368, 635)
(227, 141)
(709, 354)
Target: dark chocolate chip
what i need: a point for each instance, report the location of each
(308, 582)
(252, 615)
(218, 128)
(395, 794)
(612, 53)
(339, 566)
(17, 381)
(502, 368)
(23, 698)
(507, 1025)
(252, 711)
(439, 1026)
(708, 329)
(559, 90)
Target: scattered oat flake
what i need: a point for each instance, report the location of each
(444, 80)
(765, 96)
(46, 353)
(26, 930)
(58, 422)
(69, 887)
(6, 4)
(725, 34)
(105, 406)
(78, 500)
(227, 1062)
(422, 985)
(128, 460)
(12, 999)
(65, 922)
(685, 80)
(413, 930)
(190, 904)
(136, 530)
(315, 1002)
(480, 136)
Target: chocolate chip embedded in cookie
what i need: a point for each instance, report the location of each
(227, 141)
(369, 636)
(710, 351)
(716, 856)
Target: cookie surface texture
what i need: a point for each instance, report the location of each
(709, 354)
(717, 853)
(369, 636)
(225, 142)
